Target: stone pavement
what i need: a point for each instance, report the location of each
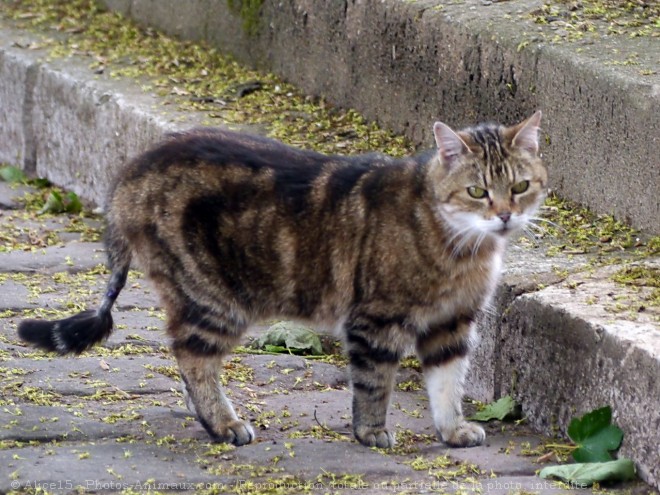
(564, 336)
(114, 420)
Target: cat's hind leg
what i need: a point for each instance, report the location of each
(443, 351)
(199, 355)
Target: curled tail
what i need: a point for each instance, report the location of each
(79, 332)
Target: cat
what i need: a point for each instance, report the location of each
(399, 254)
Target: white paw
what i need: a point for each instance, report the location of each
(465, 435)
(237, 432)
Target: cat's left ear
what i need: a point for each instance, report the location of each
(527, 134)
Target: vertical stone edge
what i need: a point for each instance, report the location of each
(558, 366)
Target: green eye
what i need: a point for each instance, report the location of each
(477, 192)
(521, 187)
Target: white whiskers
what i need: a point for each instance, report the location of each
(489, 309)
(459, 239)
(477, 244)
(541, 219)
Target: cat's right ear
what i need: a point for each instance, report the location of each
(450, 145)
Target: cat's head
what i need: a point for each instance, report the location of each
(491, 179)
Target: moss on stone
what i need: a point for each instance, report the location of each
(574, 229)
(248, 11)
(196, 77)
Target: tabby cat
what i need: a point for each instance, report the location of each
(397, 253)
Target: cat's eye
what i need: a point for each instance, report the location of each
(521, 187)
(477, 192)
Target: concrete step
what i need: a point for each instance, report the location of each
(405, 63)
(561, 337)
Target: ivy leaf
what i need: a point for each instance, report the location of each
(595, 436)
(504, 408)
(12, 174)
(586, 474)
(290, 337)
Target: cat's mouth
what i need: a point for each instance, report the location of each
(507, 229)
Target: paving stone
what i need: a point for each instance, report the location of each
(63, 413)
(102, 467)
(9, 195)
(33, 423)
(86, 375)
(72, 257)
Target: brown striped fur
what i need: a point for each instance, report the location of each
(398, 254)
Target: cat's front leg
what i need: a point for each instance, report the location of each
(373, 365)
(443, 353)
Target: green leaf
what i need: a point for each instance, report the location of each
(597, 447)
(287, 336)
(501, 409)
(279, 349)
(72, 203)
(594, 436)
(54, 204)
(589, 424)
(586, 474)
(12, 174)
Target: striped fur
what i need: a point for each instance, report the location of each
(233, 229)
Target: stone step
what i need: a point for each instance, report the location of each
(407, 63)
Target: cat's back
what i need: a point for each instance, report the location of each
(218, 148)
(204, 162)
(192, 166)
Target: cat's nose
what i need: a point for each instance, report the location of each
(505, 216)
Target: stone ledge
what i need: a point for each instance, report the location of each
(581, 344)
(62, 123)
(407, 63)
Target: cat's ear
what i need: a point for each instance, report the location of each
(450, 145)
(527, 134)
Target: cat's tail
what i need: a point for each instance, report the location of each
(79, 332)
